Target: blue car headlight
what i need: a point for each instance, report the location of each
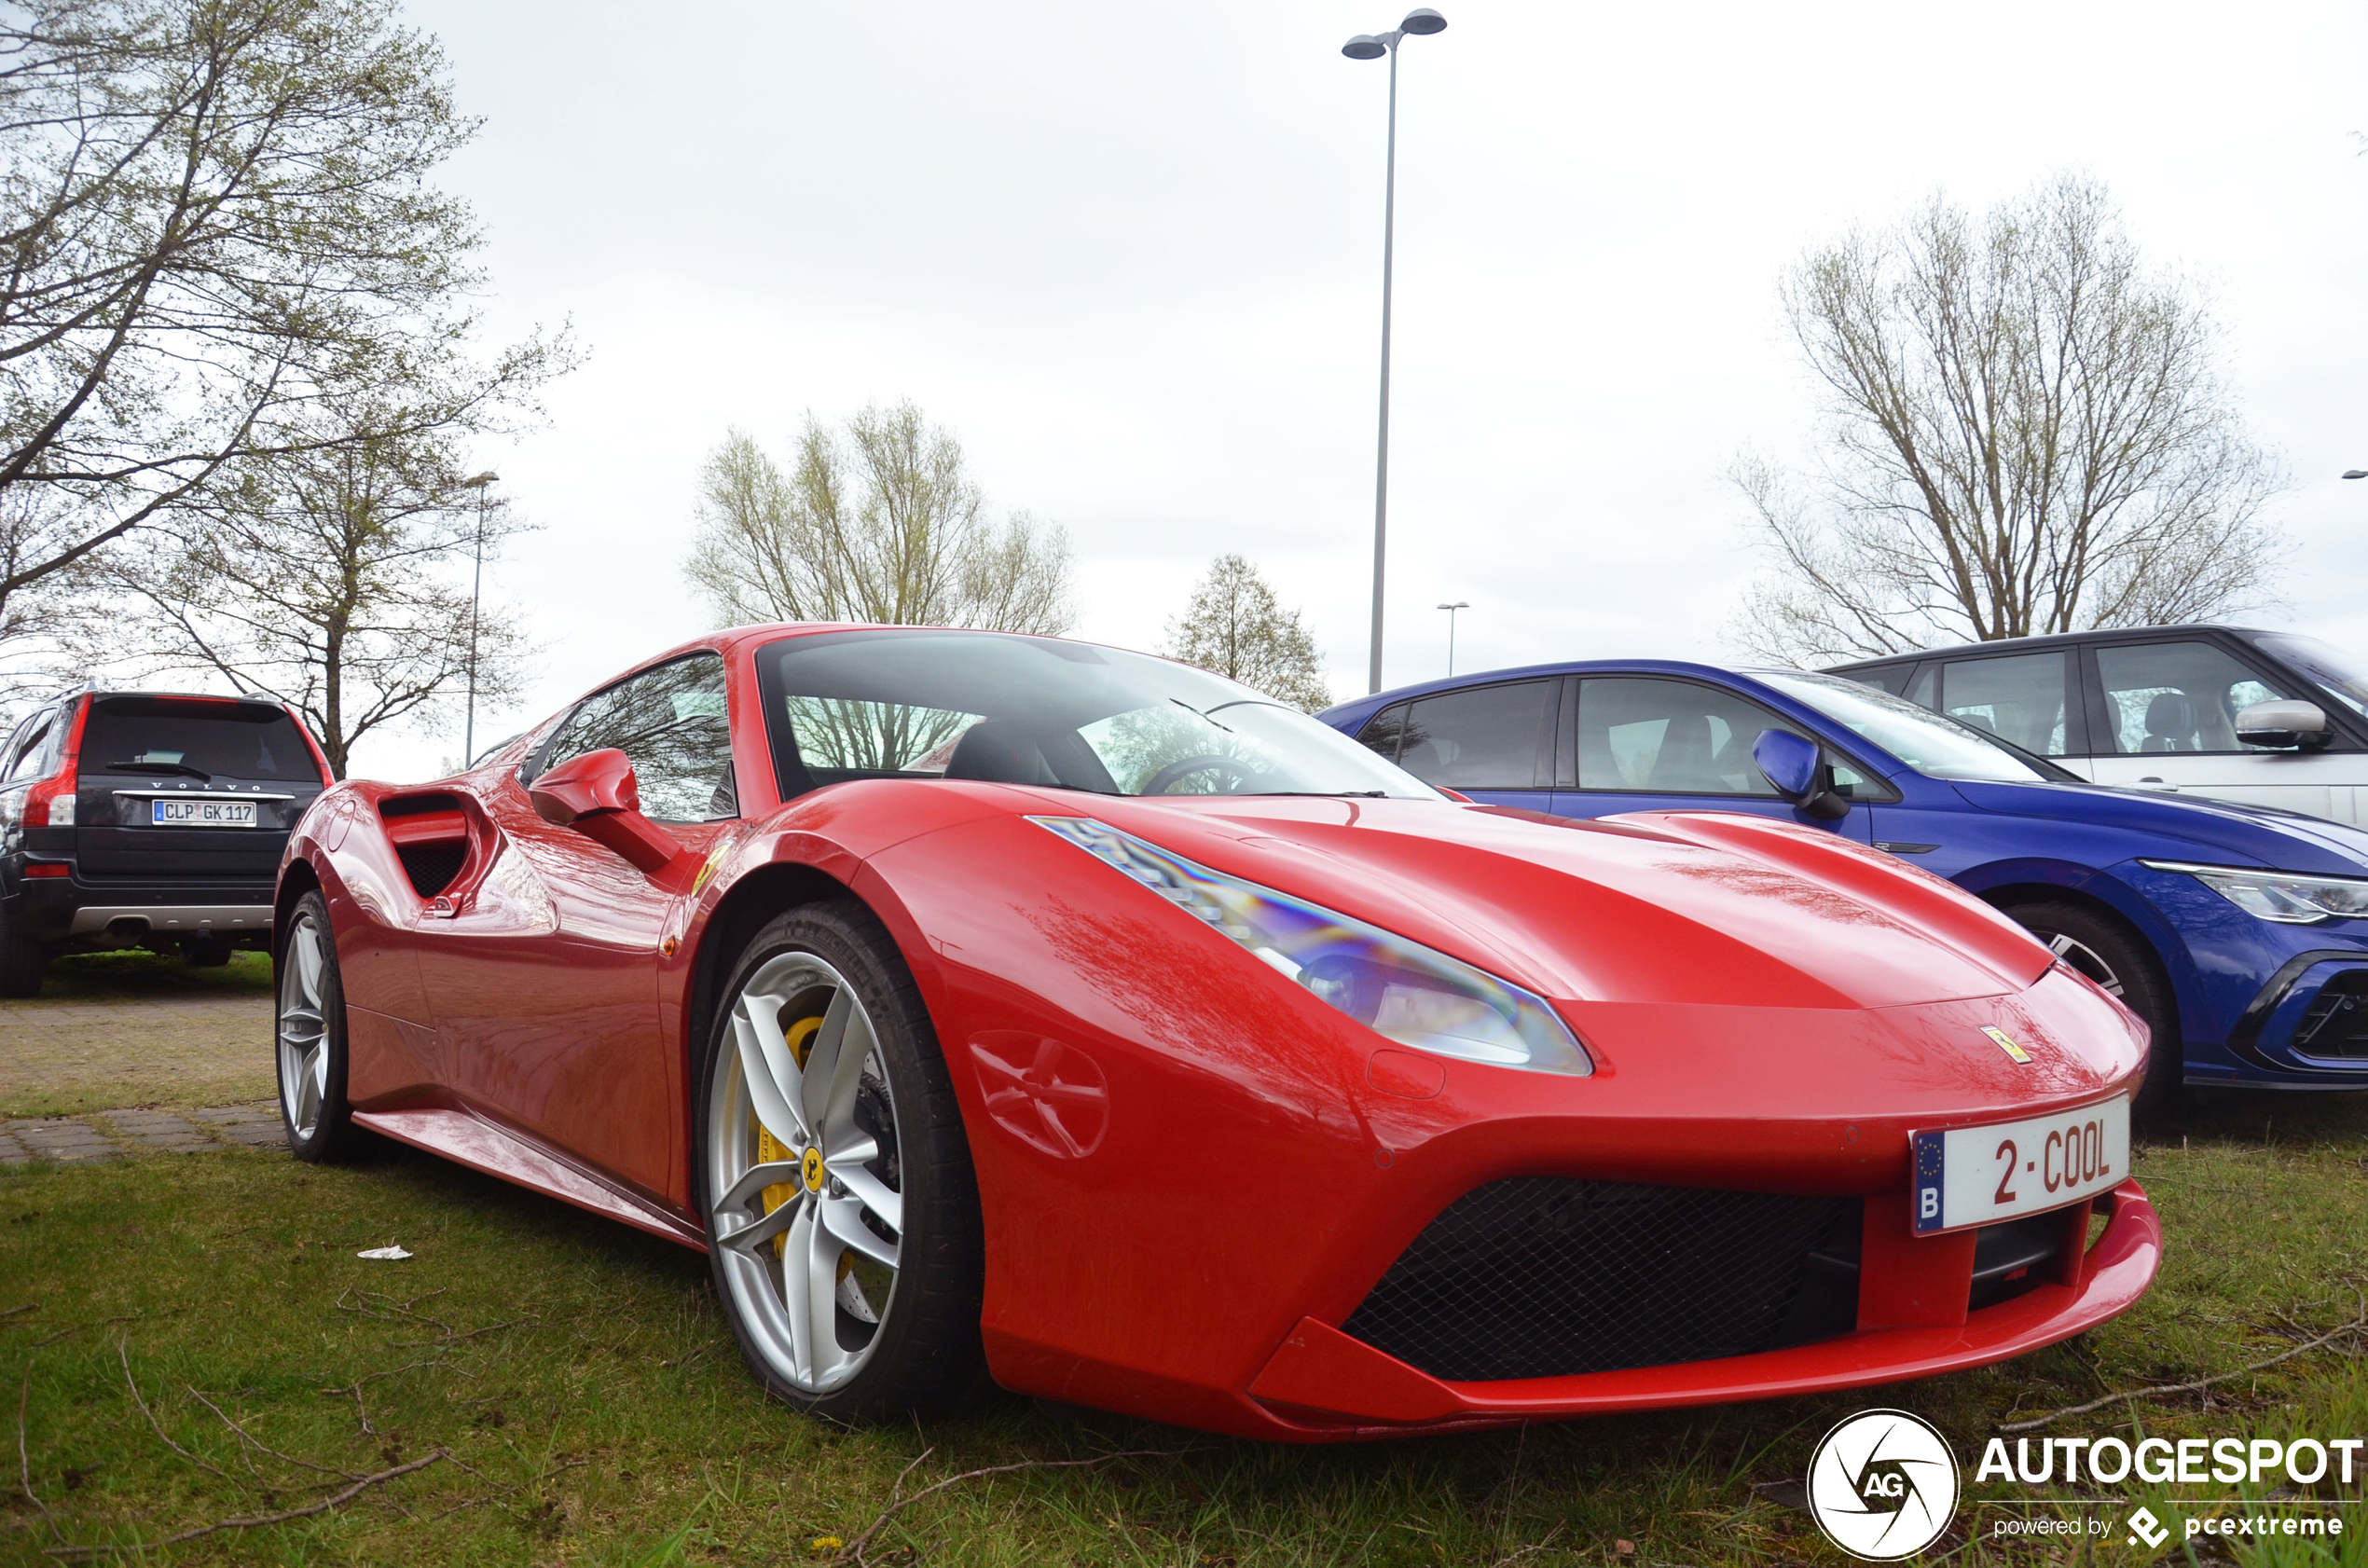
(1401, 990)
(2284, 897)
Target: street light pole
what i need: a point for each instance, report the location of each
(1367, 45)
(1451, 608)
(479, 483)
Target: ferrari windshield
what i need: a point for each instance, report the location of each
(923, 703)
(1925, 740)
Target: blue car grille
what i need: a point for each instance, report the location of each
(2336, 1021)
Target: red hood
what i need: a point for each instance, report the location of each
(1698, 908)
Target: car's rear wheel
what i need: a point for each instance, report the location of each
(22, 963)
(833, 1175)
(2117, 960)
(309, 1028)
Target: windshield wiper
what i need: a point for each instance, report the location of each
(182, 768)
(1322, 794)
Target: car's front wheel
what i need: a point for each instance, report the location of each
(835, 1178)
(2121, 963)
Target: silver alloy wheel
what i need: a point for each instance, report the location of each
(813, 1305)
(2085, 960)
(303, 1029)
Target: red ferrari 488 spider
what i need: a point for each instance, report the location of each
(1003, 1006)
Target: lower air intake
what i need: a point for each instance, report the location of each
(1542, 1276)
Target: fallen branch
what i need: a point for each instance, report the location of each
(123, 1317)
(2157, 1391)
(253, 1521)
(354, 1388)
(24, 1460)
(250, 1441)
(123, 1350)
(12, 1311)
(852, 1553)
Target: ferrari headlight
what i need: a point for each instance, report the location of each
(2276, 895)
(1400, 989)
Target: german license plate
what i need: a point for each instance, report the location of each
(1976, 1175)
(202, 814)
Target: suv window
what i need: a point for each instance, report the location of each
(196, 738)
(670, 722)
(1670, 737)
(2019, 698)
(28, 747)
(2177, 696)
(1486, 737)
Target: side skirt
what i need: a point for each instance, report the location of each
(469, 1139)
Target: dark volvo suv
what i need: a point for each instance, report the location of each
(145, 819)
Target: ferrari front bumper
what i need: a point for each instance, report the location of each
(1321, 1385)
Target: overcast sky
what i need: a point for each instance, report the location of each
(1131, 254)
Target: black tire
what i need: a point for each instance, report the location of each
(206, 954)
(2117, 957)
(920, 1353)
(303, 1023)
(22, 963)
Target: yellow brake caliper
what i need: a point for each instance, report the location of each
(801, 1037)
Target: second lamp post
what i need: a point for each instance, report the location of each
(1372, 46)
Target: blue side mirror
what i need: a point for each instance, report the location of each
(1789, 761)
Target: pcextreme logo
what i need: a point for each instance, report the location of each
(1883, 1485)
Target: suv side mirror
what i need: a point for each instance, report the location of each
(1797, 766)
(596, 795)
(2284, 726)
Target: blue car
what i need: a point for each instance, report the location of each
(2239, 932)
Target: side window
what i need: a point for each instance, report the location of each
(1383, 730)
(1487, 738)
(2019, 698)
(28, 748)
(1670, 737)
(671, 722)
(2177, 696)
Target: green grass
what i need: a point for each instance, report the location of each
(581, 1374)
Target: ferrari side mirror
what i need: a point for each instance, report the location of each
(1796, 767)
(2284, 726)
(596, 795)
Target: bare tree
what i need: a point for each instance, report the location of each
(212, 215)
(1236, 628)
(334, 578)
(2027, 431)
(876, 522)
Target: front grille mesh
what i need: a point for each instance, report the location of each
(2336, 1021)
(1542, 1276)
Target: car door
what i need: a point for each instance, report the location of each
(1663, 743)
(544, 979)
(1494, 743)
(2168, 723)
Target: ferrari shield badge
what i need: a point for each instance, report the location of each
(2006, 1044)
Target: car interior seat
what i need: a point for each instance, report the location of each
(2170, 724)
(1684, 762)
(997, 751)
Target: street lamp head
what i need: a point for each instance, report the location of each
(1365, 47)
(1422, 22)
(1459, 604)
(2356, 473)
(479, 481)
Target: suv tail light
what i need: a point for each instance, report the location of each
(51, 803)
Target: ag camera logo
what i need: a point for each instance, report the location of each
(1883, 1485)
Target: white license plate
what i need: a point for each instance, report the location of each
(202, 814)
(1976, 1175)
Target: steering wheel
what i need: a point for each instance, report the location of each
(1159, 782)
